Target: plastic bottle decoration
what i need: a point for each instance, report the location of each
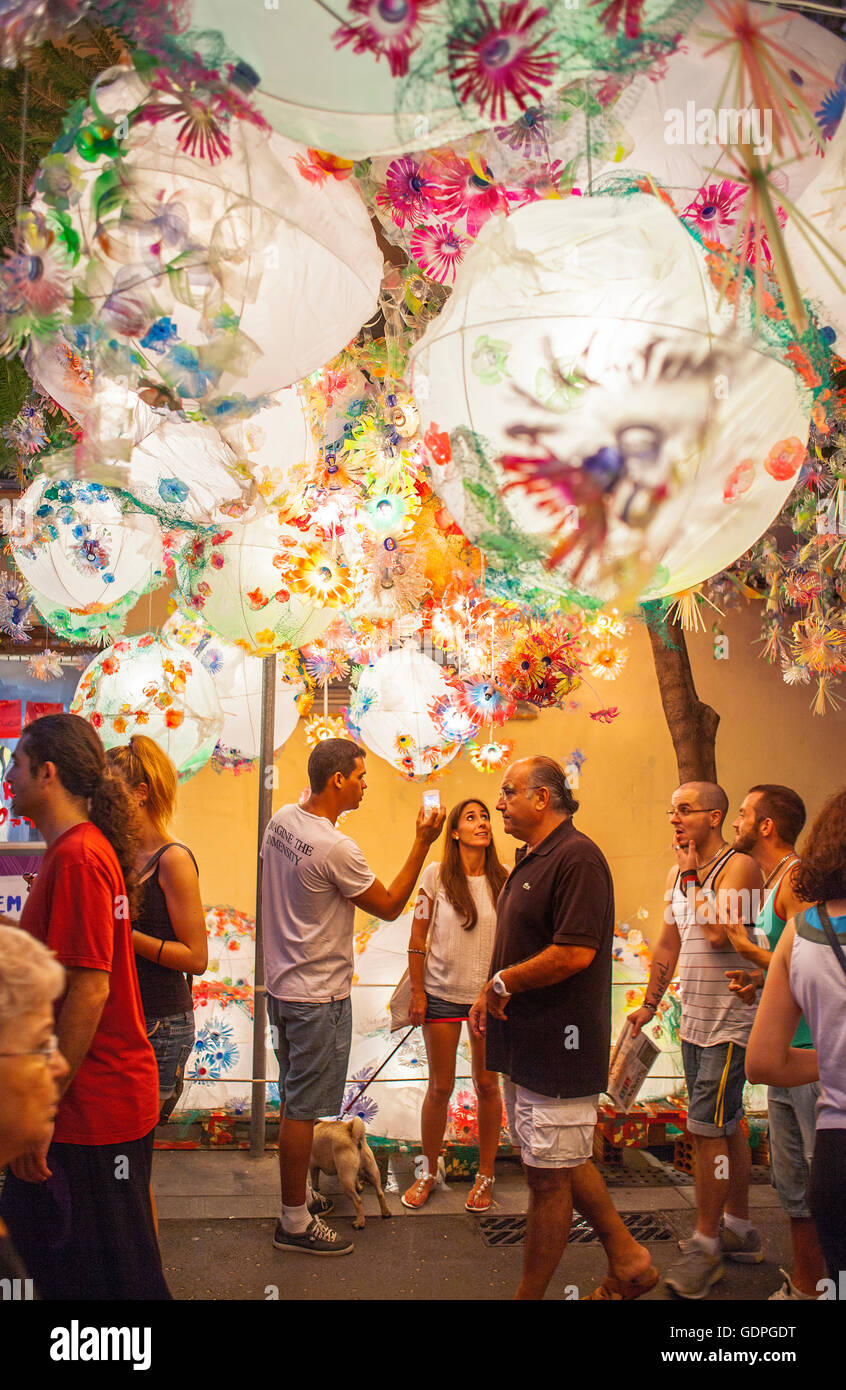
(238, 681)
(256, 584)
(151, 686)
(205, 267)
(80, 550)
(626, 403)
(390, 712)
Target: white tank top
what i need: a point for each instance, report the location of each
(818, 984)
(711, 1014)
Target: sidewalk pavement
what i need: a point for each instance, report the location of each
(217, 1211)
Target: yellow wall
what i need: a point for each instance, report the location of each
(767, 734)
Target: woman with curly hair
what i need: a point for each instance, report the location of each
(81, 1233)
(456, 913)
(170, 925)
(808, 975)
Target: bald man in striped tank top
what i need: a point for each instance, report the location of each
(710, 885)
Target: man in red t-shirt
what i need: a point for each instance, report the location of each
(79, 1209)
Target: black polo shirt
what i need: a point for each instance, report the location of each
(556, 1040)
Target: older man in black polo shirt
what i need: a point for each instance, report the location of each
(546, 1013)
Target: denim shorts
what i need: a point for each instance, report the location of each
(792, 1115)
(312, 1045)
(172, 1040)
(715, 1079)
(442, 1011)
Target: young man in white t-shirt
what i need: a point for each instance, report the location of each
(313, 878)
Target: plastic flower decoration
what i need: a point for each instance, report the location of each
(480, 698)
(407, 194)
(386, 28)
(315, 576)
(488, 757)
(45, 666)
(463, 188)
(438, 249)
(322, 727)
(607, 660)
(493, 56)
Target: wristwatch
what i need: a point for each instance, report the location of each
(499, 984)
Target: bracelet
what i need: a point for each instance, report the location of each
(415, 951)
(159, 956)
(653, 1008)
(689, 876)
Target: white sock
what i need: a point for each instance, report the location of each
(295, 1220)
(706, 1243)
(734, 1223)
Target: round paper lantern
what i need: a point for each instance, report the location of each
(238, 681)
(686, 127)
(592, 417)
(279, 450)
(390, 711)
(386, 76)
(239, 581)
(212, 269)
(145, 685)
(80, 550)
(180, 470)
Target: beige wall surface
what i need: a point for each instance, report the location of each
(767, 734)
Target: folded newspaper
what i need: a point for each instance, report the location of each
(630, 1061)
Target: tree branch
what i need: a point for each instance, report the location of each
(692, 723)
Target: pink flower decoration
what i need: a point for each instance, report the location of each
(438, 249)
(460, 190)
(715, 206)
(407, 194)
(387, 27)
(489, 59)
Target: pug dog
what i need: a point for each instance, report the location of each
(340, 1147)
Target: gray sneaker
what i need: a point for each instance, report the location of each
(316, 1240)
(693, 1275)
(746, 1251)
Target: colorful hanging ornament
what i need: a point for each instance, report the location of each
(148, 685)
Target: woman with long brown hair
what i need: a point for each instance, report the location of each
(456, 913)
(170, 925)
(807, 974)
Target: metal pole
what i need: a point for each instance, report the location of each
(265, 811)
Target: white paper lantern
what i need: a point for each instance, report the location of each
(238, 582)
(80, 550)
(642, 438)
(238, 681)
(685, 126)
(216, 264)
(278, 448)
(386, 76)
(390, 709)
(145, 685)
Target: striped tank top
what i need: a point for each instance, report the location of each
(711, 1014)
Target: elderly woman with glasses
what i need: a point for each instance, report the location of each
(31, 1066)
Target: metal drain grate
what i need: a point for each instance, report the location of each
(510, 1230)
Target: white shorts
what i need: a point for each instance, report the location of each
(550, 1133)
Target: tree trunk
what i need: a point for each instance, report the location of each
(692, 724)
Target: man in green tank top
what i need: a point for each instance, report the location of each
(770, 821)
